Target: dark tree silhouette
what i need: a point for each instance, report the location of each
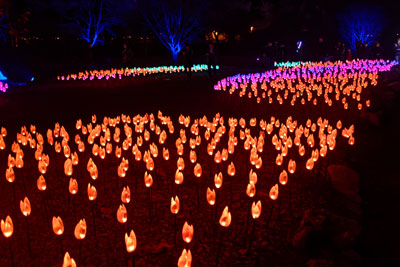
(175, 26)
(360, 25)
(15, 20)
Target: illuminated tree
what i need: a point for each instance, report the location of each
(173, 25)
(3, 27)
(360, 25)
(93, 19)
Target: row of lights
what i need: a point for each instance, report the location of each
(115, 73)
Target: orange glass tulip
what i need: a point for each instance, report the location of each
(122, 214)
(41, 183)
(251, 189)
(57, 147)
(302, 150)
(175, 205)
(121, 171)
(256, 209)
(150, 164)
(74, 158)
(258, 163)
(81, 146)
(224, 154)
(197, 170)
(292, 166)
(7, 227)
(19, 163)
(351, 140)
(217, 157)
(68, 167)
(58, 225)
(92, 192)
(274, 192)
(192, 156)
(68, 261)
(279, 160)
(283, 177)
(218, 179)
(148, 179)
(10, 175)
(211, 196)
(180, 164)
(118, 152)
(80, 229)
(185, 260)
(231, 169)
(178, 177)
(25, 206)
(187, 232)
(73, 186)
(226, 218)
(253, 177)
(165, 153)
(315, 155)
(126, 195)
(130, 242)
(67, 151)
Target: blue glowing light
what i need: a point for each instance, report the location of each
(2, 77)
(299, 44)
(360, 25)
(32, 79)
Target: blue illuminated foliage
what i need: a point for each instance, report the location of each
(170, 26)
(2, 77)
(360, 25)
(93, 21)
(3, 28)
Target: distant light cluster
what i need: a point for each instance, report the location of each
(310, 82)
(289, 64)
(3, 87)
(115, 73)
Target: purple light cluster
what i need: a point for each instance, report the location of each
(3, 87)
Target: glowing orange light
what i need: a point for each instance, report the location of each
(122, 214)
(130, 242)
(185, 260)
(211, 196)
(92, 192)
(218, 179)
(226, 218)
(256, 209)
(68, 261)
(231, 169)
(283, 177)
(58, 225)
(41, 183)
(175, 205)
(80, 229)
(126, 195)
(274, 192)
(148, 179)
(7, 227)
(25, 206)
(187, 232)
(178, 177)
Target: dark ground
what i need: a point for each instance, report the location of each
(373, 157)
